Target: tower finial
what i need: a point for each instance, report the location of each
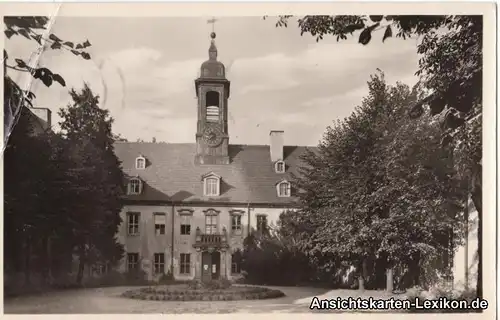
(212, 22)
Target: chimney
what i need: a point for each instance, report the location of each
(276, 147)
(44, 115)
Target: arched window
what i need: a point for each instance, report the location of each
(280, 166)
(284, 189)
(134, 186)
(212, 102)
(212, 186)
(140, 163)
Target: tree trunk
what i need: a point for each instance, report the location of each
(49, 258)
(390, 280)
(81, 266)
(361, 282)
(362, 275)
(27, 261)
(476, 196)
(416, 271)
(45, 260)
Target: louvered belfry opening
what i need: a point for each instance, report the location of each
(212, 103)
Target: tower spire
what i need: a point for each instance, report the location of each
(212, 52)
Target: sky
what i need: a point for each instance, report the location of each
(144, 70)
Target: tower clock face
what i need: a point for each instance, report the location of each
(212, 136)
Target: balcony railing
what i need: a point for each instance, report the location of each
(217, 240)
(211, 239)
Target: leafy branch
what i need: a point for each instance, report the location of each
(26, 27)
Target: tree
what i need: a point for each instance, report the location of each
(36, 215)
(118, 137)
(450, 68)
(272, 258)
(97, 179)
(67, 193)
(376, 192)
(24, 191)
(35, 28)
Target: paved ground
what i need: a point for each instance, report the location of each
(108, 300)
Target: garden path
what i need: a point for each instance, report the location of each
(108, 300)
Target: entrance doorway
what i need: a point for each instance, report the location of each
(210, 264)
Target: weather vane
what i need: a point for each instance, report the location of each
(212, 21)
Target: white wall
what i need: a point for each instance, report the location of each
(465, 256)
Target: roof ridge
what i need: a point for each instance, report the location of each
(233, 144)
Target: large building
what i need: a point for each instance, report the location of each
(189, 206)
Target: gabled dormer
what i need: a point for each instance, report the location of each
(140, 162)
(283, 188)
(279, 166)
(134, 186)
(211, 184)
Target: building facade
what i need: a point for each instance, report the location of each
(190, 206)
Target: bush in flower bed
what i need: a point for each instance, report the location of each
(210, 285)
(202, 294)
(438, 291)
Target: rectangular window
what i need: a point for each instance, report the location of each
(160, 221)
(284, 189)
(133, 223)
(185, 229)
(132, 261)
(261, 223)
(134, 186)
(185, 263)
(159, 265)
(210, 224)
(140, 163)
(236, 224)
(235, 264)
(280, 167)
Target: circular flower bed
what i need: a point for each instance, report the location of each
(184, 293)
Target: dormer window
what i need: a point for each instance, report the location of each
(283, 189)
(279, 166)
(140, 163)
(211, 185)
(134, 186)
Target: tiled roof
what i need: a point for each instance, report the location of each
(172, 176)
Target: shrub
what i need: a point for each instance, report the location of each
(167, 278)
(137, 275)
(441, 290)
(211, 285)
(268, 259)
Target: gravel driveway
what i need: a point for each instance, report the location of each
(108, 300)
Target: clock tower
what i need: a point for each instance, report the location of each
(212, 92)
